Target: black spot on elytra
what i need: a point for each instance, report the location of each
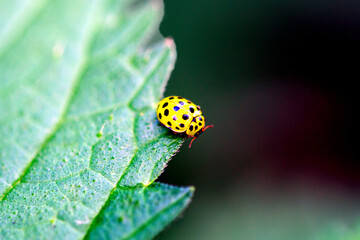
(176, 108)
(191, 127)
(169, 123)
(200, 124)
(165, 104)
(160, 115)
(182, 103)
(192, 110)
(166, 112)
(188, 102)
(198, 108)
(171, 98)
(200, 118)
(177, 128)
(185, 117)
(180, 97)
(196, 128)
(182, 125)
(174, 118)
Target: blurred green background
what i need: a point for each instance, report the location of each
(277, 79)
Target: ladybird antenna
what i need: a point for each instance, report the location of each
(210, 126)
(191, 142)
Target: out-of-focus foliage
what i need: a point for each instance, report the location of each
(81, 145)
(339, 232)
(276, 78)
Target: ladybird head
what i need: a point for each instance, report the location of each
(196, 127)
(201, 123)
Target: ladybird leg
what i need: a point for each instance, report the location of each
(192, 141)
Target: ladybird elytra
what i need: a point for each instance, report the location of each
(181, 116)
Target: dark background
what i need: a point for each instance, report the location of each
(278, 79)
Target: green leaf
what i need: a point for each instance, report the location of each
(139, 213)
(81, 145)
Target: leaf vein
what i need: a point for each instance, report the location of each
(153, 217)
(72, 91)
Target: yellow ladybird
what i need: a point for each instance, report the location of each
(181, 116)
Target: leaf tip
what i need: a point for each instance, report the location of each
(156, 4)
(169, 42)
(191, 189)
